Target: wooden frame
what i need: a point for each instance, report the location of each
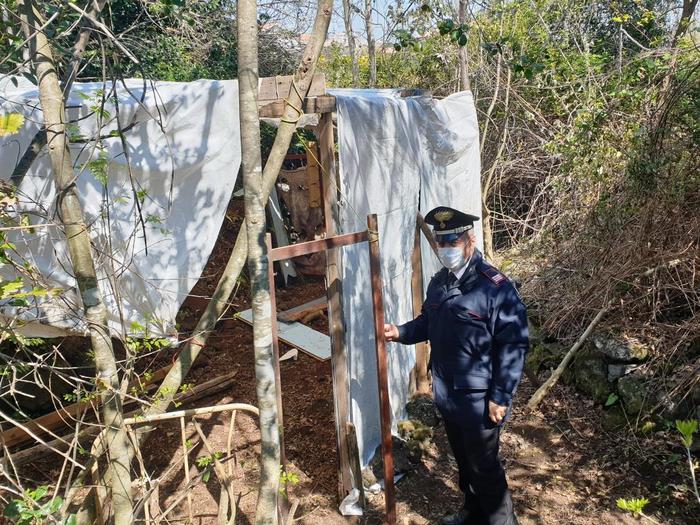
(371, 236)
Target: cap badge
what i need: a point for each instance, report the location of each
(442, 216)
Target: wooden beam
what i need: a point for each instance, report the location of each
(422, 385)
(313, 176)
(274, 88)
(428, 233)
(301, 311)
(336, 328)
(194, 394)
(66, 415)
(318, 245)
(382, 368)
(320, 104)
(355, 464)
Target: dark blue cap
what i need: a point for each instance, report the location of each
(449, 224)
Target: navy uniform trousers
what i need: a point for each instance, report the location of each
(477, 328)
(482, 479)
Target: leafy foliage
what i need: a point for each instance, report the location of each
(687, 429)
(30, 510)
(635, 505)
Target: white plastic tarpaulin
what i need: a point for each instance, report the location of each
(397, 155)
(180, 163)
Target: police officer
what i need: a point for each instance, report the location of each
(477, 327)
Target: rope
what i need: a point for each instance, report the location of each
(332, 180)
(300, 112)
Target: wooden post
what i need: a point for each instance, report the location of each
(382, 372)
(339, 366)
(275, 347)
(354, 453)
(422, 385)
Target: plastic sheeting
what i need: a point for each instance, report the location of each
(181, 162)
(397, 155)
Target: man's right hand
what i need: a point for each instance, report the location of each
(391, 332)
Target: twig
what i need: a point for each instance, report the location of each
(99, 25)
(190, 412)
(542, 391)
(39, 440)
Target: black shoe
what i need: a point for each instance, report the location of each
(465, 516)
(458, 518)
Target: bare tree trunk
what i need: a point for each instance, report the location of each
(684, 23)
(371, 45)
(80, 251)
(350, 35)
(251, 168)
(487, 184)
(462, 53)
(227, 282)
(218, 304)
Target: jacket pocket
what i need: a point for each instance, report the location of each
(467, 314)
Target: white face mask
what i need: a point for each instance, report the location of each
(452, 258)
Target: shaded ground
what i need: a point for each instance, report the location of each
(563, 468)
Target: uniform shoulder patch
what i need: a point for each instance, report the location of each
(494, 275)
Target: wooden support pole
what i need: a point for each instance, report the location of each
(355, 464)
(339, 365)
(421, 370)
(318, 245)
(275, 347)
(382, 372)
(428, 233)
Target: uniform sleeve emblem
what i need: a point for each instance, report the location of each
(494, 276)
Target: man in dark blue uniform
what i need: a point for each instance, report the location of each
(477, 327)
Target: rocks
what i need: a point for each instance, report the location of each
(422, 409)
(591, 377)
(616, 371)
(634, 392)
(542, 358)
(620, 349)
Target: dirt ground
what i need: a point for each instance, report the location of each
(562, 467)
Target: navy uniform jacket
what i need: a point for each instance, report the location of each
(478, 336)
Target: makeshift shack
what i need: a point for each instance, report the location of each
(156, 172)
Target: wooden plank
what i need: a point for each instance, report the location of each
(296, 335)
(422, 385)
(301, 311)
(355, 464)
(425, 229)
(196, 393)
(274, 88)
(65, 416)
(313, 176)
(321, 104)
(318, 245)
(339, 365)
(382, 369)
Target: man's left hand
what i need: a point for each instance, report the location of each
(496, 412)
